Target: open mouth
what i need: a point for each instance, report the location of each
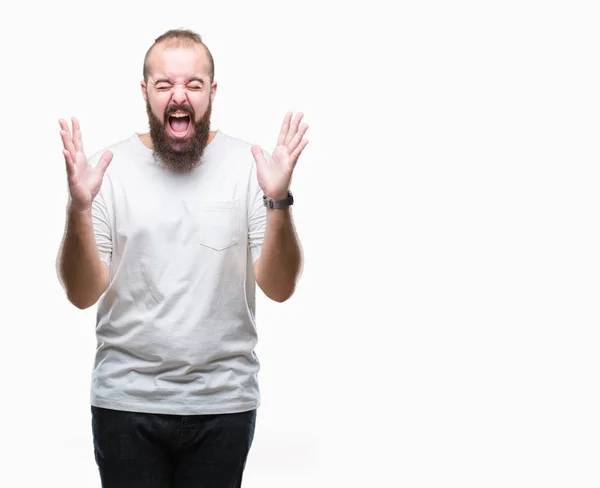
(179, 123)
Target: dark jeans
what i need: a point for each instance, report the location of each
(135, 450)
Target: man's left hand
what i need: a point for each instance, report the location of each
(275, 174)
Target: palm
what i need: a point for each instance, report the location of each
(84, 180)
(274, 170)
(274, 174)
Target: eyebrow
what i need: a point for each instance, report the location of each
(165, 80)
(161, 80)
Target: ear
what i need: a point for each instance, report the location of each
(213, 90)
(144, 90)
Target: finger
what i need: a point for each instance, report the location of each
(105, 160)
(285, 127)
(259, 157)
(68, 143)
(77, 140)
(296, 154)
(294, 127)
(70, 165)
(64, 126)
(297, 138)
(68, 161)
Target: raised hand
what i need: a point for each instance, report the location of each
(84, 180)
(275, 174)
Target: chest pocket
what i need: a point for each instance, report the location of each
(218, 224)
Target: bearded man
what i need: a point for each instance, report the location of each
(168, 233)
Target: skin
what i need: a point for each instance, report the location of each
(84, 276)
(279, 266)
(178, 75)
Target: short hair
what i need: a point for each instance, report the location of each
(177, 37)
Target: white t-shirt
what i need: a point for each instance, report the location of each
(175, 328)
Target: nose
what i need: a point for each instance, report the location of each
(179, 96)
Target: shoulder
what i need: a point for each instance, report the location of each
(122, 150)
(237, 149)
(232, 144)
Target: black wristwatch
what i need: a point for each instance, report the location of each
(285, 203)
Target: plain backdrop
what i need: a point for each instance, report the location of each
(445, 330)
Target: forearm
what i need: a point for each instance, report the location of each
(83, 275)
(280, 261)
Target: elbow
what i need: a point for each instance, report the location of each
(278, 288)
(84, 292)
(83, 305)
(80, 301)
(281, 294)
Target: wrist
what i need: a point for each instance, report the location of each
(278, 218)
(276, 196)
(281, 202)
(76, 210)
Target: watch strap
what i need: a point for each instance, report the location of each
(286, 202)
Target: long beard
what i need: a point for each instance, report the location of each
(180, 155)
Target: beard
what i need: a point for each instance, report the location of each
(180, 155)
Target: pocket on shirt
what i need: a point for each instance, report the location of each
(218, 224)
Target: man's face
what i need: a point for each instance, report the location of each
(179, 97)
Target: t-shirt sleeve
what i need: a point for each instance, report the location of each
(100, 217)
(257, 215)
(102, 230)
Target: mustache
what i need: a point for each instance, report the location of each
(180, 108)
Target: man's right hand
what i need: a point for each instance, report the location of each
(84, 180)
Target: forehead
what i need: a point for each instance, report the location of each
(178, 61)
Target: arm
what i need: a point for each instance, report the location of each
(83, 274)
(280, 263)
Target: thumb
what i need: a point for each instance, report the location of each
(257, 152)
(105, 160)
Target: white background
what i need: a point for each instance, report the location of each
(445, 332)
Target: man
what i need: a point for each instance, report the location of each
(169, 232)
